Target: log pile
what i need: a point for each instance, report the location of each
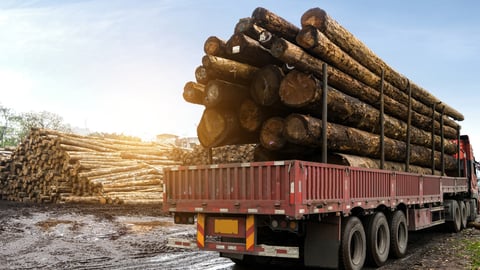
(223, 154)
(265, 85)
(50, 166)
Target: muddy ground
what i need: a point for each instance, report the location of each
(126, 237)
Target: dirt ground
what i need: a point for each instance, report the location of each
(127, 237)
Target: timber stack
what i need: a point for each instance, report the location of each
(50, 166)
(272, 82)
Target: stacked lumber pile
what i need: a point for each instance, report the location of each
(5, 156)
(265, 86)
(223, 154)
(50, 166)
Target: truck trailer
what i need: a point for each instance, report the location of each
(304, 95)
(324, 214)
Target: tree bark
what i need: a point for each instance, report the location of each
(228, 70)
(249, 51)
(319, 45)
(296, 56)
(220, 127)
(354, 47)
(306, 130)
(275, 24)
(194, 93)
(248, 27)
(300, 90)
(364, 162)
(265, 85)
(224, 94)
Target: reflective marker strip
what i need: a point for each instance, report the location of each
(181, 243)
(250, 232)
(200, 230)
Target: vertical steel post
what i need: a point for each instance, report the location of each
(324, 111)
(442, 140)
(382, 123)
(458, 151)
(409, 123)
(433, 139)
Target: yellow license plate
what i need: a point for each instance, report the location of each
(226, 226)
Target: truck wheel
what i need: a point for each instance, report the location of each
(456, 224)
(353, 245)
(463, 214)
(378, 239)
(398, 235)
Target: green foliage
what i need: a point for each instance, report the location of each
(474, 248)
(15, 127)
(43, 120)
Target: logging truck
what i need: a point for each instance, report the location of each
(392, 158)
(324, 214)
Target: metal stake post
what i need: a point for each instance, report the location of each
(324, 111)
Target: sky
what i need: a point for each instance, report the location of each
(120, 66)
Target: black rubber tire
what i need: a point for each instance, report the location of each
(378, 239)
(398, 234)
(463, 213)
(353, 246)
(456, 224)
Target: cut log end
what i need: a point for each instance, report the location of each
(211, 127)
(315, 17)
(265, 85)
(250, 115)
(271, 135)
(296, 128)
(297, 89)
(214, 46)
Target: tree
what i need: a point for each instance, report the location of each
(43, 120)
(7, 127)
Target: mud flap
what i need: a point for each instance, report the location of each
(322, 242)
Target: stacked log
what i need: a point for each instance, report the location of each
(50, 166)
(5, 157)
(279, 104)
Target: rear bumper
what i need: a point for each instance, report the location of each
(224, 247)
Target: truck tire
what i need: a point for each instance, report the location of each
(456, 224)
(378, 239)
(398, 234)
(463, 213)
(353, 245)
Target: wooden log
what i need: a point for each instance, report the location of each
(220, 127)
(202, 76)
(248, 27)
(228, 70)
(215, 46)
(271, 134)
(194, 93)
(319, 45)
(275, 24)
(249, 51)
(85, 199)
(107, 171)
(306, 130)
(251, 115)
(296, 56)
(265, 85)
(365, 162)
(224, 94)
(354, 47)
(300, 90)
